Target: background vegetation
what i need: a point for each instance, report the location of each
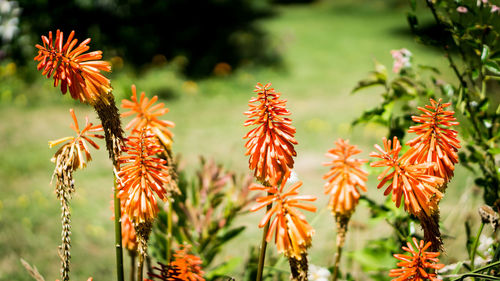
(323, 49)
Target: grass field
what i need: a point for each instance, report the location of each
(326, 49)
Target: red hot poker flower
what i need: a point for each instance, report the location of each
(344, 178)
(434, 143)
(188, 266)
(73, 68)
(293, 233)
(146, 116)
(419, 189)
(416, 266)
(270, 144)
(141, 176)
(79, 150)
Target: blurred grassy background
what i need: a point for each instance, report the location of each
(325, 47)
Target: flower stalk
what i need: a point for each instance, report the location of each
(79, 71)
(345, 178)
(263, 247)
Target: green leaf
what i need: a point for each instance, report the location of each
(458, 267)
(495, 56)
(412, 22)
(223, 269)
(475, 73)
(231, 233)
(494, 150)
(447, 90)
(484, 53)
(492, 66)
(372, 81)
(428, 67)
(413, 4)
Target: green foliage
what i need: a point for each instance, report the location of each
(203, 215)
(399, 96)
(145, 32)
(470, 42)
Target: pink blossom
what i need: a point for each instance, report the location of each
(401, 59)
(462, 9)
(495, 9)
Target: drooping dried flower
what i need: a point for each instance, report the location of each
(292, 232)
(344, 178)
(71, 156)
(141, 177)
(73, 68)
(271, 144)
(435, 143)
(146, 116)
(79, 153)
(419, 189)
(416, 266)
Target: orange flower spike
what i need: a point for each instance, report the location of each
(344, 178)
(419, 189)
(416, 266)
(434, 143)
(76, 70)
(188, 266)
(146, 116)
(79, 143)
(141, 176)
(291, 230)
(271, 144)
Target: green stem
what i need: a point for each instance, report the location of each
(338, 254)
(474, 247)
(263, 246)
(118, 235)
(475, 272)
(169, 231)
(132, 255)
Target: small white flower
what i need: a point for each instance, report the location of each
(5, 6)
(293, 177)
(479, 261)
(317, 273)
(485, 244)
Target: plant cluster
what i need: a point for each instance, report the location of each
(197, 216)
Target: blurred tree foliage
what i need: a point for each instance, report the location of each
(203, 32)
